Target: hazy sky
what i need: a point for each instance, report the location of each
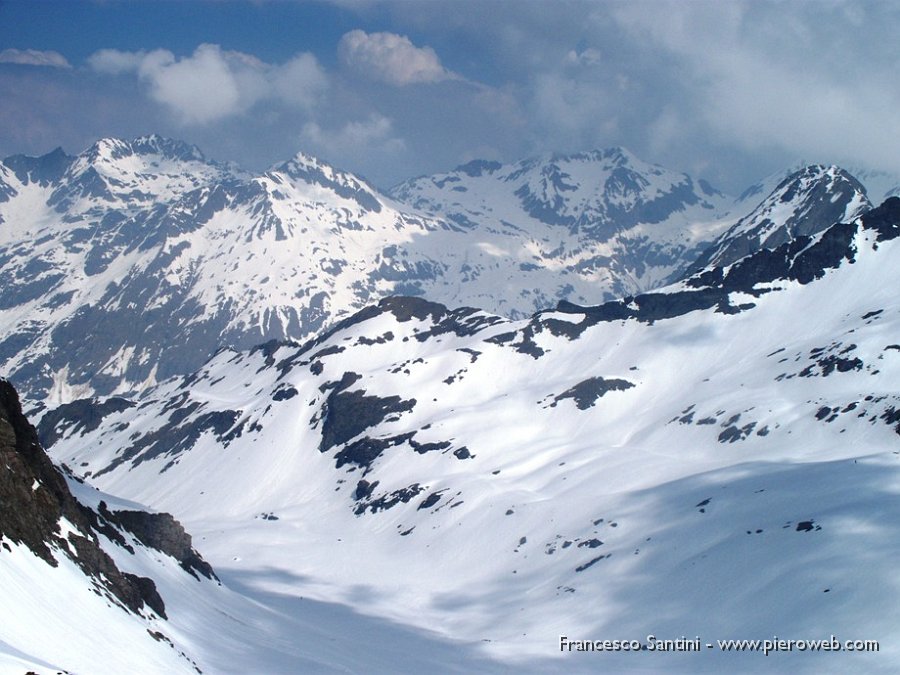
(728, 91)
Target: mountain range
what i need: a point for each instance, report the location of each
(162, 257)
(699, 441)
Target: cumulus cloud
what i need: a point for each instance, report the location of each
(212, 84)
(200, 88)
(300, 80)
(391, 58)
(34, 57)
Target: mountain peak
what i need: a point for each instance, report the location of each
(308, 169)
(805, 202)
(821, 181)
(619, 155)
(44, 169)
(111, 149)
(478, 167)
(616, 155)
(300, 164)
(171, 148)
(816, 172)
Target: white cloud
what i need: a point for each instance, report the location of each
(573, 113)
(213, 84)
(374, 135)
(391, 58)
(200, 88)
(34, 57)
(585, 57)
(665, 130)
(300, 80)
(778, 76)
(114, 62)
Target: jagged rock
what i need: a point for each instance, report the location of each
(35, 499)
(162, 532)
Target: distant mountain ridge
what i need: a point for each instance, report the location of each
(604, 191)
(605, 219)
(136, 260)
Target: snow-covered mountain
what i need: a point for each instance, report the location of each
(136, 260)
(600, 225)
(804, 203)
(158, 257)
(717, 458)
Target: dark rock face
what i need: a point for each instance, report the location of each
(347, 414)
(179, 435)
(388, 500)
(162, 532)
(477, 167)
(34, 497)
(44, 170)
(34, 279)
(82, 416)
(6, 191)
(461, 321)
(365, 451)
(885, 219)
(587, 392)
(30, 516)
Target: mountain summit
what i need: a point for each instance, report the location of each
(804, 203)
(605, 223)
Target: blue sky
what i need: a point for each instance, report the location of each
(728, 91)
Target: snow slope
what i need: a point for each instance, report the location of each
(718, 459)
(95, 584)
